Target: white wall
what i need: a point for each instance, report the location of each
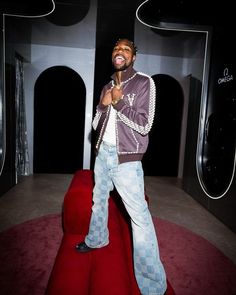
(177, 54)
(73, 47)
(44, 57)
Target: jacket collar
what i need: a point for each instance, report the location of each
(126, 74)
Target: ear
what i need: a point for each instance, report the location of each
(134, 57)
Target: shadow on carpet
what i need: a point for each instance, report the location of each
(193, 265)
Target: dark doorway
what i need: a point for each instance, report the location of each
(162, 156)
(59, 115)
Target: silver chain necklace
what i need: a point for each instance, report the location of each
(126, 81)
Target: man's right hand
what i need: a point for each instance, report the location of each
(107, 98)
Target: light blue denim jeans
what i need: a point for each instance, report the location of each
(129, 182)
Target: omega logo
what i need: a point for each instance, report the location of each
(226, 77)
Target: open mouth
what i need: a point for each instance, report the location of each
(119, 59)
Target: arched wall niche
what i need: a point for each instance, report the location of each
(162, 157)
(59, 120)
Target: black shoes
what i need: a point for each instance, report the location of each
(83, 248)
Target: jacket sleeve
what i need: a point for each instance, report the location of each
(140, 116)
(100, 109)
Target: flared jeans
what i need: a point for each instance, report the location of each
(129, 182)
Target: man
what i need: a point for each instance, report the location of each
(123, 119)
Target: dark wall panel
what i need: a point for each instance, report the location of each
(115, 19)
(8, 177)
(216, 186)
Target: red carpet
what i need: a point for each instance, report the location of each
(193, 265)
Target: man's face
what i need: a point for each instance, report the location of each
(122, 55)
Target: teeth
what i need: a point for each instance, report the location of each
(119, 57)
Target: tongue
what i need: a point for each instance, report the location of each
(119, 61)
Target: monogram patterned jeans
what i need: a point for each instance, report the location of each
(128, 180)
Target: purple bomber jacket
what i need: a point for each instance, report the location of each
(134, 116)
